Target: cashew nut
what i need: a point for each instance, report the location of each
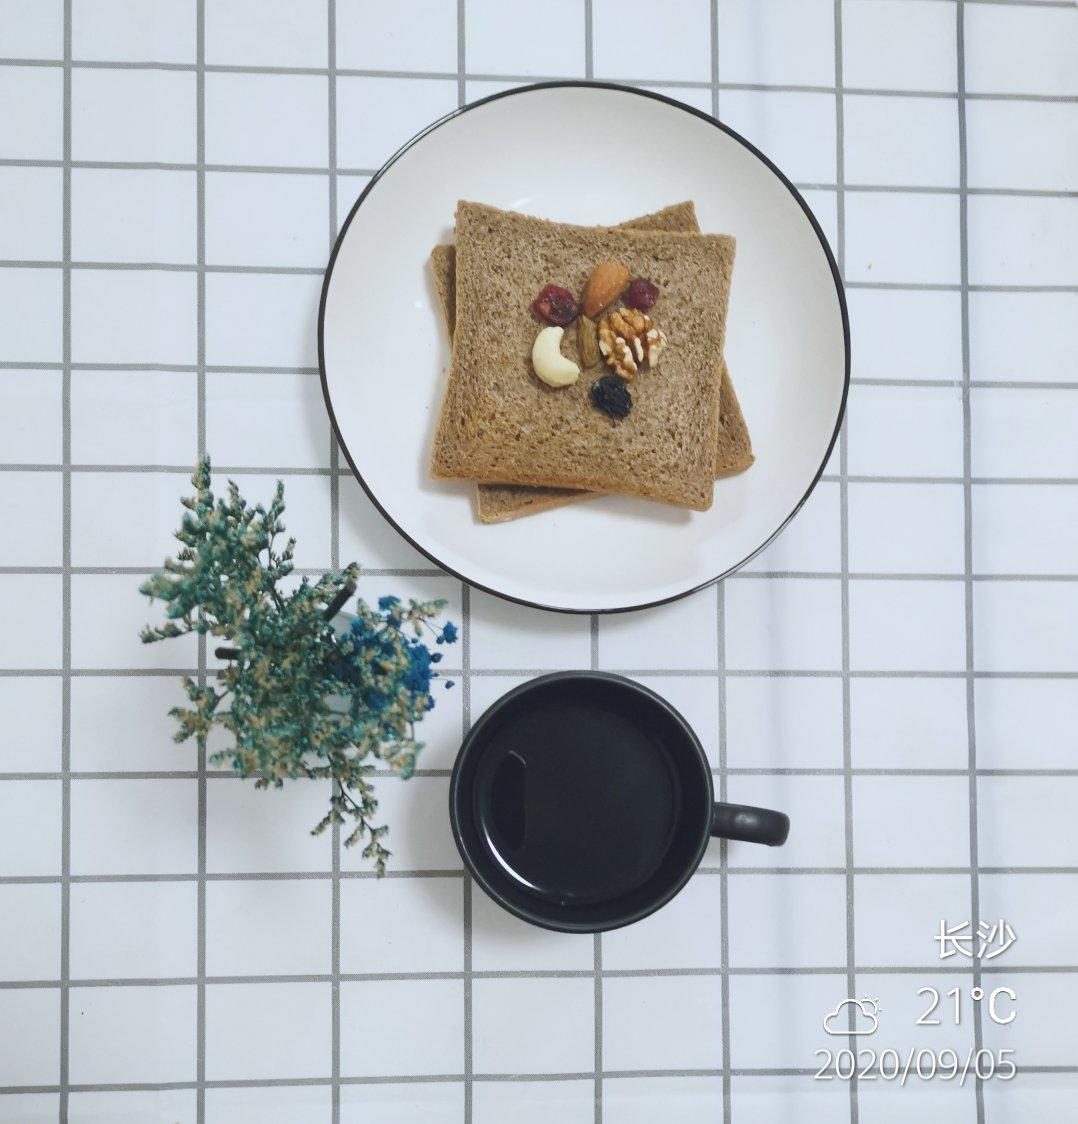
(549, 363)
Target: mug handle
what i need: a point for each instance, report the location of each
(750, 825)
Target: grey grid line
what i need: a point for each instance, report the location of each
(679, 973)
(455, 1078)
(521, 673)
(757, 870)
(241, 470)
(200, 392)
(597, 1012)
(954, 287)
(164, 267)
(975, 384)
(718, 771)
(468, 886)
(160, 368)
(764, 87)
(589, 41)
(218, 369)
(448, 75)
(316, 875)
(896, 575)
(284, 169)
(726, 1029)
(444, 1078)
(593, 629)
(597, 987)
(134, 571)
(815, 970)
(181, 369)
(460, 76)
(180, 470)
(844, 562)
(892, 478)
(967, 521)
(750, 575)
(65, 718)
(724, 858)
(213, 369)
(857, 380)
(216, 876)
(597, 950)
(335, 562)
(937, 189)
(181, 166)
(864, 478)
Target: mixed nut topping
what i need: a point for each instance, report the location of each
(626, 338)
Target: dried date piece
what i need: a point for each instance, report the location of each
(641, 294)
(556, 306)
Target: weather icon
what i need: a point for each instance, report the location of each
(866, 1022)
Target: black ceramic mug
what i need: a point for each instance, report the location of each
(582, 801)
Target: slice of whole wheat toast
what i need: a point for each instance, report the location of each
(500, 424)
(498, 503)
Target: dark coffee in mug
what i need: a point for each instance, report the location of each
(577, 801)
(583, 801)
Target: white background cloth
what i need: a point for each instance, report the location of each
(897, 671)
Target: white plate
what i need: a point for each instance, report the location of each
(587, 153)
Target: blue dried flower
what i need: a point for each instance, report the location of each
(418, 674)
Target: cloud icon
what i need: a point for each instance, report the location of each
(868, 1009)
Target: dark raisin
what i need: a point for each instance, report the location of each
(612, 396)
(556, 305)
(641, 294)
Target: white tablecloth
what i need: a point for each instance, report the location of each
(897, 671)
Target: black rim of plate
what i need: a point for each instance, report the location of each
(840, 293)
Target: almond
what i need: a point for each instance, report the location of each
(605, 285)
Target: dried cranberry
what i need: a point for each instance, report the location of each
(641, 294)
(556, 305)
(612, 396)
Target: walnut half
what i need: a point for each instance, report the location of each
(628, 339)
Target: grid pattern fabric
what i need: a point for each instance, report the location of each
(898, 670)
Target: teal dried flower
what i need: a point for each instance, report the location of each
(301, 698)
